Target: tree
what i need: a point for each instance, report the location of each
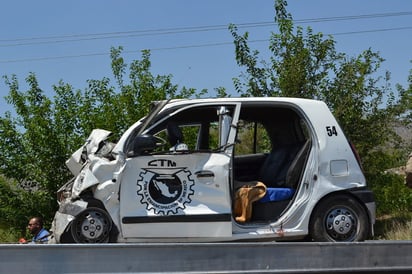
(45, 131)
(33, 154)
(299, 64)
(305, 64)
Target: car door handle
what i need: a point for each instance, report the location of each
(204, 174)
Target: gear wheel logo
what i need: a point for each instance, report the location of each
(165, 194)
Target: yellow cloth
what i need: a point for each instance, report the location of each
(244, 198)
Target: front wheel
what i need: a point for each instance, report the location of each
(339, 219)
(92, 225)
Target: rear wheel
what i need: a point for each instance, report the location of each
(339, 219)
(92, 225)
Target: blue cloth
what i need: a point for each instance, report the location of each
(277, 194)
(41, 237)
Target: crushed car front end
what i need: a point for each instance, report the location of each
(92, 165)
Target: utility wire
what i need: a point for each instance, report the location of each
(185, 46)
(168, 31)
(113, 35)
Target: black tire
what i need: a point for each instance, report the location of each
(339, 219)
(92, 225)
(66, 237)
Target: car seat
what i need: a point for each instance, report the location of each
(175, 136)
(281, 173)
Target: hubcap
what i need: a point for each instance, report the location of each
(92, 226)
(341, 224)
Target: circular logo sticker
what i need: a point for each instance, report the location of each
(165, 194)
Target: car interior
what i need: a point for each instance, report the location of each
(277, 149)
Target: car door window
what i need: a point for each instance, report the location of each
(200, 129)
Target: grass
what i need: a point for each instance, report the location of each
(394, 227)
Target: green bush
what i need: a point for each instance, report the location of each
(10, 235)
(391, 194)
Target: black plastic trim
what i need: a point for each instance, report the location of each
(364, 194)
(178, 219)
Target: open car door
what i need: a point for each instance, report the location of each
(182, 190)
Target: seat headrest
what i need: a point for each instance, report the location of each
(174, 133)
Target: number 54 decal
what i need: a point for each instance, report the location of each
(331, 130)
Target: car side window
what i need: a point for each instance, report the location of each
(189, 137)
(198, 128)
(252, 138)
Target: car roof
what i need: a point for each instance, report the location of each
(306, 104)
(300, 101)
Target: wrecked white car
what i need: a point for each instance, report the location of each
(225, 169)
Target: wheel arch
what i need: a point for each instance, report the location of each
(361, 195)
(93, 202)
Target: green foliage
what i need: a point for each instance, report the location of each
(45, 131)
(391, 193)
(247, 134)
(33, 155)
(10, 235)
(299, 65)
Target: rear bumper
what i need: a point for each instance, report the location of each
(366, 196)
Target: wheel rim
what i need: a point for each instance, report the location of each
(341, 224)
(93, 225)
